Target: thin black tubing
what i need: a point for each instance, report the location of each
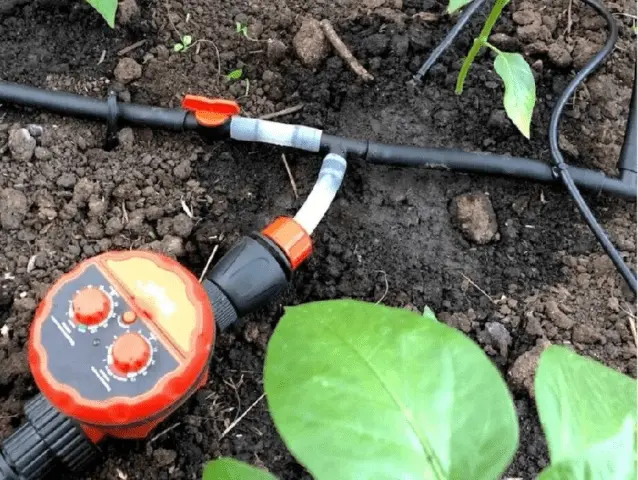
(449, 38)
(557, 156)
(628, 164)
(91, 108)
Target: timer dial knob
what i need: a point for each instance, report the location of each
(91, 306)
(131, 352)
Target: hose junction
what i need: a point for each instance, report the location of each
(218, 120)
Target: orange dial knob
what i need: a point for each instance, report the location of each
(130, 353)
(91, 306)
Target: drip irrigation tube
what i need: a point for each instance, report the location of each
(557, 156)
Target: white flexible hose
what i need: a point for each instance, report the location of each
(323, 193)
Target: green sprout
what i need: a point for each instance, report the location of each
(185, 44)
(241, 28)
(234, 75)
(517, 76)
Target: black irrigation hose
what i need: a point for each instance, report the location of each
(628, 164)
(449, 38)
(557, 156)
(474, 162)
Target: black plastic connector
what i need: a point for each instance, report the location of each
(47, 440)
(250, 275)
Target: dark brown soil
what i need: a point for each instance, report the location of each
(546, 277)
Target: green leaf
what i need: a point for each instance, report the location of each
(235, 74)
(429, 314)
(612, 459)
(187, 40)
(106, 8)
(455, 5)
(231, 469)
(520, 89)
(580, 402)
(178, 47)
(369, 392)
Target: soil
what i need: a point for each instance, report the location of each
(542, 277)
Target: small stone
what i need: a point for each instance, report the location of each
(164, 457)
(499, 336)
(127, 70)
(474, 215)
(113, 226)
(35, 130)
(182, 225)
(21, 145)
(522, 373)
(559, 55)
(276, 51)
(126, 138)
(560, 319)
(310, 43)
(66, 180)
(13, 208)
(533, 325)
(42, 153)
(183, 170)
(127, 12)
(93, 230)
(172, 246)
(135, 222)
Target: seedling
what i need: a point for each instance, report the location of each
(234, 75)
(241, 28)
(520, 86)
(185, 44)
(364, 391)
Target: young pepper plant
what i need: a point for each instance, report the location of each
(520, 87)
(106, 8)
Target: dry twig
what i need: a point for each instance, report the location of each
(239, 419)
(344, 52)
(387, 286)
(292, 179)
(130, 48)
(165, 431)
(210, 259)
(478, 288)
(281, 113)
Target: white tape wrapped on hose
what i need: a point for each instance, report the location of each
(255, 130)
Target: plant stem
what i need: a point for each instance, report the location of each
(479, 42)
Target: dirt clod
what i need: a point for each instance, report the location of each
(310, 43)
(13, 208)
(559, 55)
(22, 145)
(499, 337)
(457, 320)
(276, 50)
(67, 180)
(127, 12)
(474, 215)
(182, 225)
(127, 71)
(522, 372)
(559, 318)
(164, 457)
(126, 138)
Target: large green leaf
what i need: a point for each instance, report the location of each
(362, 391)
(580, 402)
(454, 5)
(106, 8)
(612, 459)
(231, 469)
(520, 89)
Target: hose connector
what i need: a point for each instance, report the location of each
(323, 193)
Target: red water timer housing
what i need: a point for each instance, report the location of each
(120, 341)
